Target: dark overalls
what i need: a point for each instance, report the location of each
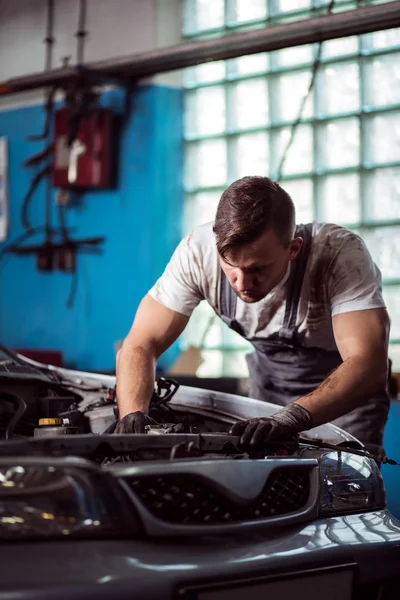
(281, 370)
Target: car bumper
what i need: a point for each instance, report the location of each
(369, 543)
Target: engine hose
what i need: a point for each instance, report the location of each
(21, 408)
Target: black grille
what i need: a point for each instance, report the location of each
(192, 500)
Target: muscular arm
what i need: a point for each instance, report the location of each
(154, 329)
(362, 340)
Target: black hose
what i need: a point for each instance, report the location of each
(21, 408)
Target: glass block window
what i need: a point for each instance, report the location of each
(343, 164)
(248, 104)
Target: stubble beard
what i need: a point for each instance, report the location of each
(249, 299)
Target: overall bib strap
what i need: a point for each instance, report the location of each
(228, 302)
(295, 282)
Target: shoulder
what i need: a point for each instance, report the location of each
(339, 260)
(333, 237)
(331, 243)
(202, 235)
(200, 242)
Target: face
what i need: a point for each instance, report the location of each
(255, 269)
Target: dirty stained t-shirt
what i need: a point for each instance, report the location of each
(340, 277)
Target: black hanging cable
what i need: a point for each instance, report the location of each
(26, 201)
(46, 154)
(15, 245)
(21, 238)
(293, 129)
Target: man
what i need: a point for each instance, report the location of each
(307, 297)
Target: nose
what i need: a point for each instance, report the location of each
(244, 281)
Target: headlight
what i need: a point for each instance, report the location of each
(60, 497)
(350, 483)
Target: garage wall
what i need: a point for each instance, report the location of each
(140, 218)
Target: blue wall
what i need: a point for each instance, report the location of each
(391, 473)
(141, 220)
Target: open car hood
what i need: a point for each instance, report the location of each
(230, 405)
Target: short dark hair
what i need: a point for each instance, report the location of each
(247, 208)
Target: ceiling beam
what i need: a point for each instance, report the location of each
(366, 19)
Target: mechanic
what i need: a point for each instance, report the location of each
(308, 298)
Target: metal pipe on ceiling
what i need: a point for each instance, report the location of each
(49, 39)
(81, 32)
(137, 66)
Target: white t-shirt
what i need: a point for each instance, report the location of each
(340, 277)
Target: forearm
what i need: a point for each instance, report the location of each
(351, 384)
(135, 379)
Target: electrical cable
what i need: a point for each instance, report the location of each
(26, 201)
(37, 158)
(15, 244)
(46, 135)
(293, 129)
(21, 238)
(46, 130)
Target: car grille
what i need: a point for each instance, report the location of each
(192, 500)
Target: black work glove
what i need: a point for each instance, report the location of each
(283, 425)
(134, 422)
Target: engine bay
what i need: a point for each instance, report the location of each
(47, 411)
(40, 412)
(30, 395)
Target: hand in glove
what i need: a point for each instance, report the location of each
(283, 425)
(134, 422)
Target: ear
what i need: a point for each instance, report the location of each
(295, 247)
